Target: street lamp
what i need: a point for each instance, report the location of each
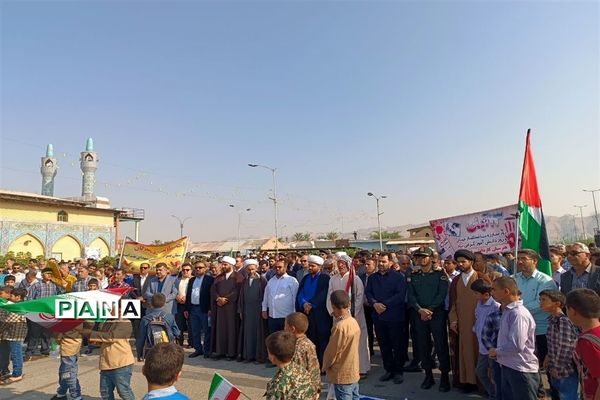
(378, 219)
(181, 222)
(239, 223)
(593, 192)
(582, 224)
(274, 198)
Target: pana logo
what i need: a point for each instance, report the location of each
(97, 309)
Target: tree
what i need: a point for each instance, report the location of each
(332, 235)
(385, 235)
(301, 237)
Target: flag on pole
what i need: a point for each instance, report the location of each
(222, 389)
(532, 227)
(42, 311)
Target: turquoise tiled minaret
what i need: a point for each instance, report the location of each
(89, 165)
(48, 170)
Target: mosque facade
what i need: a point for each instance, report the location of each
(64, 228)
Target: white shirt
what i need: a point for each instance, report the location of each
(228, 274)
(143, 280)
(195, 299)
(466, 277)
(280, 296)
(182, 289)
(19, 276)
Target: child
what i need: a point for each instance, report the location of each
(561, 337)
(13, 329)
(70, 345)
(583, 308)
(116, 358)
(93, 284)
(516, 343)
(340, 360)
(489, 339)
(5, 292)
(305, 354)
(162, 369)
(158, 301)
(291, 381)
(10, 280)
(485, 306)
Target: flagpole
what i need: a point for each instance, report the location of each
(518, 230)
(122, 247)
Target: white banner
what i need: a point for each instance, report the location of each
(491, 231)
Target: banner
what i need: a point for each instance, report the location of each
(173, 253)
(491, 231)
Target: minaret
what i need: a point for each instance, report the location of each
(89, 165)
(48, 170)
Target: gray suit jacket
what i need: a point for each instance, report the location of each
(169, 289)
(566, 280)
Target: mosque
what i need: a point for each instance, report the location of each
(63, 228)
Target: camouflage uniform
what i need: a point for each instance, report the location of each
(291, 382)
(306, 357)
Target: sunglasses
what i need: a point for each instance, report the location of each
(199, 267)
(186, 269)
(143, 267)
(575, 253)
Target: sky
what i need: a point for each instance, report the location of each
(427, 103)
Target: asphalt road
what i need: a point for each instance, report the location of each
(41, 377)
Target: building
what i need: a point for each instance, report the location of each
(53, 227)
(63, 228)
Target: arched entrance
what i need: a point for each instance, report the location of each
(66, 248)
(99, 243)
(27, 244)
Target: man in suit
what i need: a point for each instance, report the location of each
(181, 283)
(583, 274)
(197, 309)
(370, 269)
(140, 284)
(165, 284)
(312, 300)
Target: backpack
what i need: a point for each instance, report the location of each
(158, 331)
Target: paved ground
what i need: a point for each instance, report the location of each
(41, 378)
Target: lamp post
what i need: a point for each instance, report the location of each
(574, 227)
(377, 198)
(582, 224)
(593, 192)
(240, 211)
(274, 198)
(181, 223)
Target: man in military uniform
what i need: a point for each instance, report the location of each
(426, 294)
(291, 381)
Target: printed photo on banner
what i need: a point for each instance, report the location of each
(490, 231)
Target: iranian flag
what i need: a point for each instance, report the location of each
(222, 389)
(532, 227)
(42, 311)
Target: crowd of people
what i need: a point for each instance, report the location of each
(490, 323)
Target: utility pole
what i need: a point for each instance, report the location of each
(181, 223)
(274, 198)
(593, 192)
(378, 218)
(582, 224)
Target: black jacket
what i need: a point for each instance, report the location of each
(207, 282)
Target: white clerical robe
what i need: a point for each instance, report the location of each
(338, 282)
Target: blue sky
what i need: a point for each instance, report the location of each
(425, 102)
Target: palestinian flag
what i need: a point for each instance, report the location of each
(222, 389)
(532, 227)
(42, 311)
